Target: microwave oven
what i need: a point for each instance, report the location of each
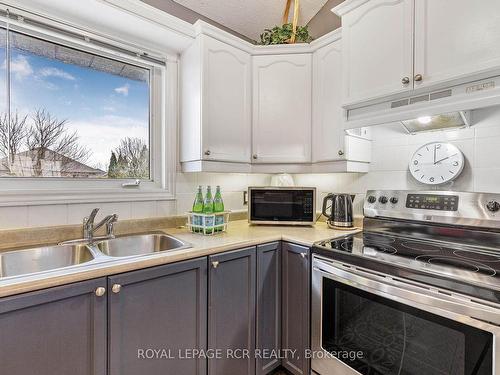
(282, 205)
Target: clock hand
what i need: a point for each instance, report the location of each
(435, 154)
(439, 161)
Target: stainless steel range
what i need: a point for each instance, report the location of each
(416, 293)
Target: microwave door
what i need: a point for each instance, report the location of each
(282, 206)
(274, 206)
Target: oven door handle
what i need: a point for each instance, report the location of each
(440, 302)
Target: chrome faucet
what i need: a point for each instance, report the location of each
(89, 228)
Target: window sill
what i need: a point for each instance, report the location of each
(40, 197)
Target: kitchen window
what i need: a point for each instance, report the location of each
(77, 116)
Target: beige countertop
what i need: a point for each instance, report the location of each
(239, 234)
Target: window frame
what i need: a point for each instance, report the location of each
(162, 138)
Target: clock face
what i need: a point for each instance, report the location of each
(436, 163)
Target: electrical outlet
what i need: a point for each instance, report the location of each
(245, 198)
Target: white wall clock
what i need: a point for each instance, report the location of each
(436, 163)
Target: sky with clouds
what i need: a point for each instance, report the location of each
(102, 107)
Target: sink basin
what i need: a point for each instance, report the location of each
(40, 259)
(140, 244)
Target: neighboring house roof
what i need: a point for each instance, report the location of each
(53, 164)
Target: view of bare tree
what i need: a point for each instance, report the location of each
(46, 142)
(40, 144)
(13, 132)
(49, 133)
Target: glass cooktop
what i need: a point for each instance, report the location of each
(445, 260)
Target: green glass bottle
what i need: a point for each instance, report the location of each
(208, 208)
(218, 207)
(198, 208)
(208, 203)
(198, 201)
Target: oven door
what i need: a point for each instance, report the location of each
(367, 323)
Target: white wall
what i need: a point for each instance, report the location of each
(232, 186)
(392, 149)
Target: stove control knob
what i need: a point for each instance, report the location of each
(394, 200)
(372, 199)
(383, 200)
(493, 206)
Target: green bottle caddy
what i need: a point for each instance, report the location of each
(208, 216)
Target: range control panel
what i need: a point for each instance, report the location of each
(432, 202)
(450, 207)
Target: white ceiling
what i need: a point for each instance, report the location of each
(251, 17)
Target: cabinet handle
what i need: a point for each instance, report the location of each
(303, 255)
(116, 288)
(418, 78)
(99, 292)
(254, 156)
(341, 152)
(215, 264)
(405, 80)
(207, 152)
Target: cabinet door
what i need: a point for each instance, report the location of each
(328, 130)
(282, 109)
(296, 305)
(226, 102)
(231, 312)
(60, 330)
(378, 50)
(268, 305)
(455, 38)
(158, 308)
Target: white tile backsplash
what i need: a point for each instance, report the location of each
(392, 149)
(142, 210)
(47, 215)
(166, 208)
(13, 217)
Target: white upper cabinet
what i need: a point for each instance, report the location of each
(378, 44)
(330, 142)
(281, 129)
(216, 102)
(455, 38)
(455, 41)
(328, 131)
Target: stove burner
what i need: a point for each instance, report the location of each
(378, 239)
(347, 246)
(421, 246)
(383, 249)
(476, 256)
(464, 264)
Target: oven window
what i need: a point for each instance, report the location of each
(396, 339)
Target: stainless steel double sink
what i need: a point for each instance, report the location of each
(35, 260)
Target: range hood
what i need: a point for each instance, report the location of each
(435, 109)
(453, 120)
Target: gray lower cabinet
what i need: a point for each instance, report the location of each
(146, 321)
(268, 333)
(231, 312)
(61, 330)
(296, 306)
(164, 309)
